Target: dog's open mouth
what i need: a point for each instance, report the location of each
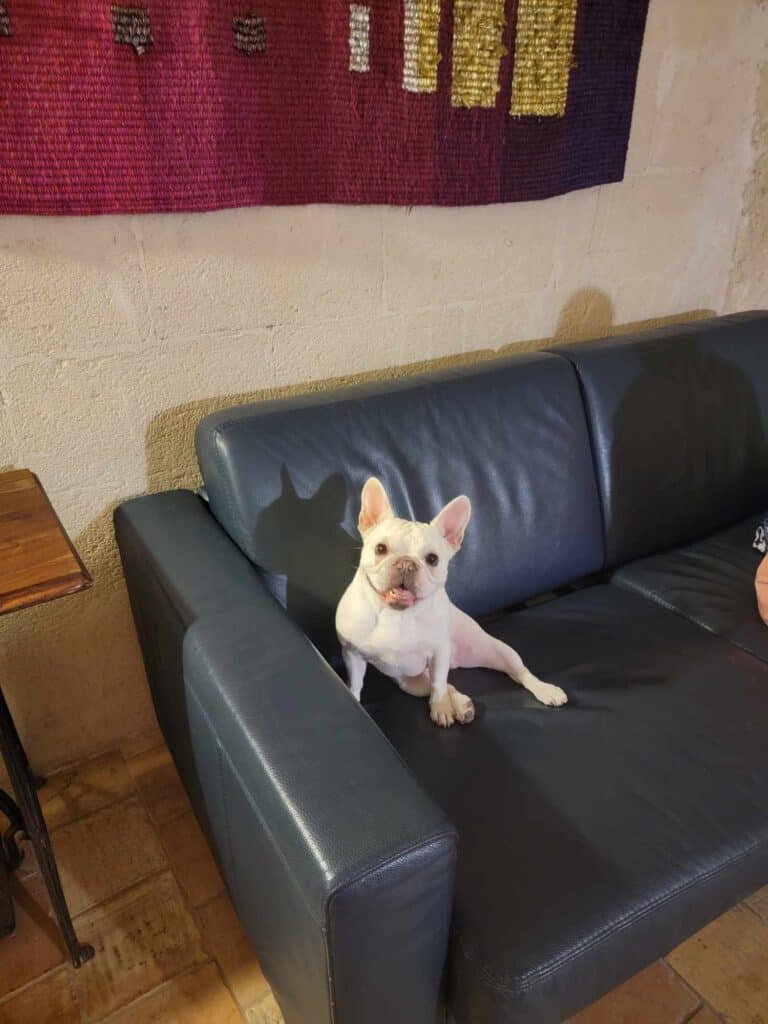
(399, 598)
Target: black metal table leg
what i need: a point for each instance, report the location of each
(10, 848)
(7, 920)
(26, 815)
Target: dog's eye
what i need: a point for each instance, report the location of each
(381, 549)
(432, 559)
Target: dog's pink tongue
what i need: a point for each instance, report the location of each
(399, 595)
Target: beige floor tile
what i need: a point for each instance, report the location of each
(52, 1000)
(143, 938)
(225, 940)
(190, 859)
(655, 994)
(73, 793)
(266, 1011)
(727, 962)
(35, 946)
(133, 745)
(159, 784)
(199, 997)
(705, 1016)
(106, 852)
(759, 903)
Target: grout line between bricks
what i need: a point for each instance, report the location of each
(153, 991)
(703, 1003)
(59, 969)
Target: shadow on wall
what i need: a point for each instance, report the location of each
(589, 314)
(89, 642)
(171, 460)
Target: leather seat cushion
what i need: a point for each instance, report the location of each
(595, 837)
(711, 582)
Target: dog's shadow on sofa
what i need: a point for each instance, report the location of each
(310, 558)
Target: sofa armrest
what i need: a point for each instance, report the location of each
(340, 866)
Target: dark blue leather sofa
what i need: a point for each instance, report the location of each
(389, 872)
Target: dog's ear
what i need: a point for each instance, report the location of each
(452, 521)
(375, 505)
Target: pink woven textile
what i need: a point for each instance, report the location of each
(208, 115)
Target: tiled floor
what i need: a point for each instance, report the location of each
(146, 893)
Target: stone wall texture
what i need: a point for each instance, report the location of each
(118, 334)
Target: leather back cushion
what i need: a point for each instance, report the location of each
(284, 479)
(679, 422)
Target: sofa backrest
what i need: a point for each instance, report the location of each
(284, 479)
(679, 425)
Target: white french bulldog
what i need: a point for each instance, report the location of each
(396, 615)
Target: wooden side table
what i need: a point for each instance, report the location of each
(37, 563)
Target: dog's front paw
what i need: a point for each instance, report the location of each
(463, 707)
(441, 711)
(550, 695)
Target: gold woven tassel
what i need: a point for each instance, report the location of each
(478, 30)
(421, 55)
(543, 57)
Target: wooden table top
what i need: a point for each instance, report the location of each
(38, 561)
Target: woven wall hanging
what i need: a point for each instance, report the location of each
(156, 105)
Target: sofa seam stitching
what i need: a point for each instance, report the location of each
(602, 499)
(228, 497)
(427, 846)
(424, 844)
(539, 974)
(275, 845)
(664, 603)
(224, 801)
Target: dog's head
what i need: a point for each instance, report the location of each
(403, 561)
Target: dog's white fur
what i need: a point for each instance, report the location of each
(396, 615)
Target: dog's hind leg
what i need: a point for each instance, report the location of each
(472, 647)
(505, 659)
